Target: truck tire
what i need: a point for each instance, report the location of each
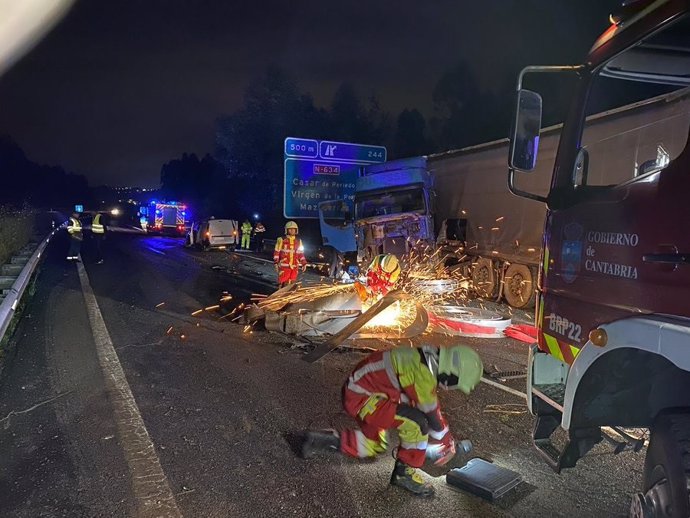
(666, 469)
(518, 286)
(484, 278)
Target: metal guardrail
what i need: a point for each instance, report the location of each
(9, 305)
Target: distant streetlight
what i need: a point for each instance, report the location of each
(256, 216)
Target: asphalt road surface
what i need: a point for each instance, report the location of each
(216, 412)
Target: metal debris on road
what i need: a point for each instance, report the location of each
(506, 408)
(464, 321)
(161, 304)
(169, 330)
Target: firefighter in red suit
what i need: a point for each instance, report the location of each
(288, 255)
(382, 274)
(397, 389)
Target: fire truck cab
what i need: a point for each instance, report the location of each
(614, 284)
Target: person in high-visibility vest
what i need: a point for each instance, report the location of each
(76, 236)
(246, 234)
(98, 234)
(288, 255)
(397, 389)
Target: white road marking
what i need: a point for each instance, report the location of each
(155, 251)
(509, 390)
(150, 485)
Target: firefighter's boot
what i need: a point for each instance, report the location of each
(326, 441)
(408, 478)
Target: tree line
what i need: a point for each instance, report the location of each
(26, 182)
(244, 174)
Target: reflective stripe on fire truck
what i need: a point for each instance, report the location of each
(546, 259)
(560, 350)
(540, 318)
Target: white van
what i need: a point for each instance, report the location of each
(213, 233)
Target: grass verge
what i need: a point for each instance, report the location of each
(16, 227)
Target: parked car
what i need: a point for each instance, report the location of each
(213, 233)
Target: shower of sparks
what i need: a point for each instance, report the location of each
(303, 294)
(428, 282)
(237, 312)
(424, 277)
(430, 276)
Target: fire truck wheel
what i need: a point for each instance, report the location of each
(667, 468)
(518, 287)
(484, 278)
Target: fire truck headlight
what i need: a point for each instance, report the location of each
(598, 337)
(115, 212)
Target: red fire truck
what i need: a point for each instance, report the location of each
(613, 307)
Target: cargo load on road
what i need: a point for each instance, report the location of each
(612, 300)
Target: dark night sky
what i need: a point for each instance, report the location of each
(122, 86)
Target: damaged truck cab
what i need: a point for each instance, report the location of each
(612, 307)
(393, 208)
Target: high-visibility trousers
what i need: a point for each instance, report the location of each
(287, 274)
(246, 238)
(378, 415)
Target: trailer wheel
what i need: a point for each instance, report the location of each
(518, 287)
(484, 278)
(666, 470)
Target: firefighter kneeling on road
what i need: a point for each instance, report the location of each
(397, 389)
(288, 255)
(382, 274)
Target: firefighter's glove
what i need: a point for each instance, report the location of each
(361, 290)
(445, 449)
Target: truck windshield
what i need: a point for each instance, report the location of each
(383, 204)
(644, 125)
(637, 140)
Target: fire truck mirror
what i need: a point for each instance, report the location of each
(524, 142)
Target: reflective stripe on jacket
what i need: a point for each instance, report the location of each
(96, 226)
(400, 375)
(74, 226)
(289, 252)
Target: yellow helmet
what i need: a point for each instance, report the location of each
(388, 263)
(291, 224)
(459, 367)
